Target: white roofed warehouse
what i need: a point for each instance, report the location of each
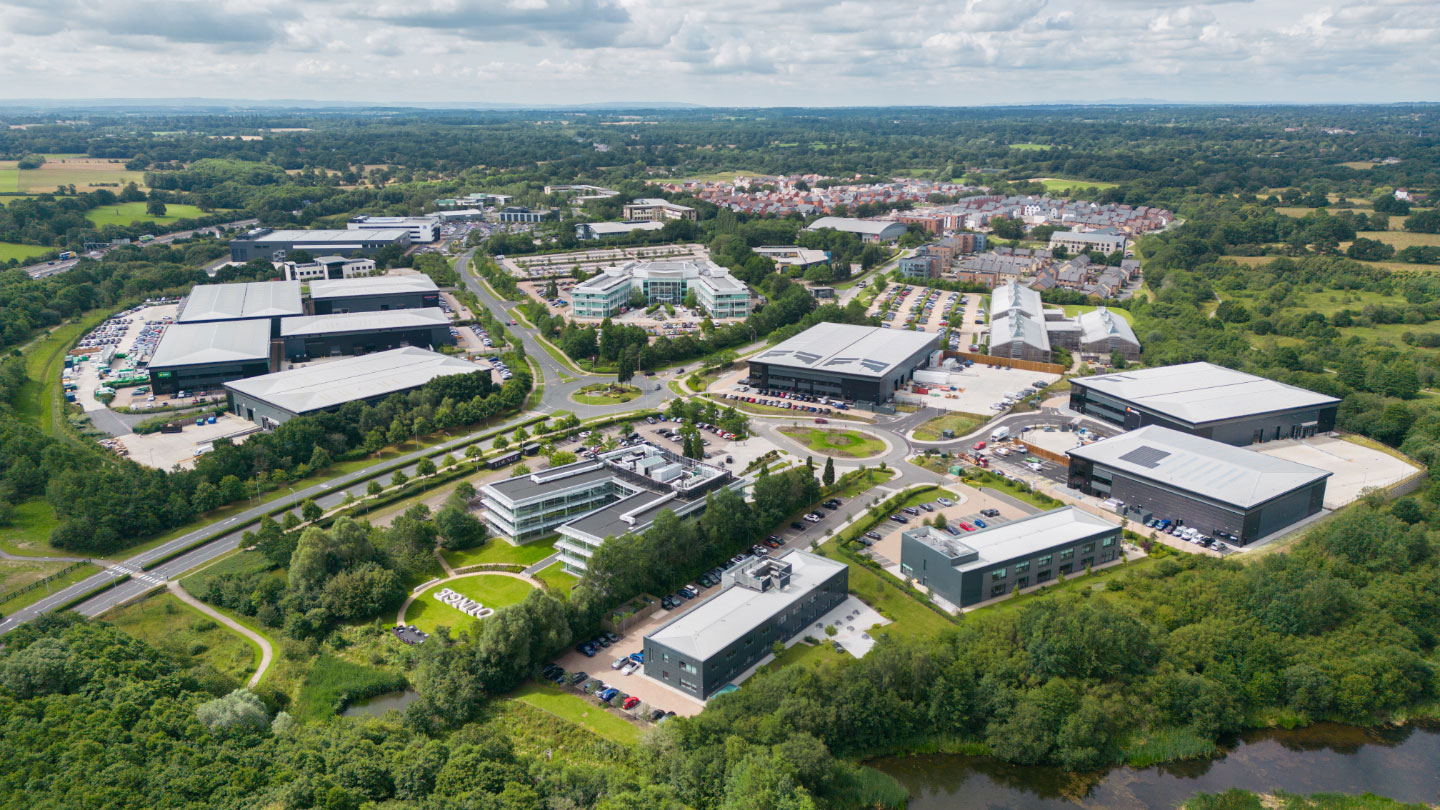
(869, 230)
(1205, 400)
(373, 294)
(273, 399)
(861, 363)
(198, 356)
(1219, 490)
(761, 601)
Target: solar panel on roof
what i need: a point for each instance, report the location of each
(1148, 457)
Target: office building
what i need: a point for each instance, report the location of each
(311, 336)
(1107, 240)
(869, 230)
(1158, 473)
(641, 481)
(519, 213)
(761, 601)
(1205, 400)
(200, 356)
(862, 363)
(422, 230)
(586, 231)
(1103, 334)
(274, 246)
(964, 568)
(794, 256)
(328, 267)
(373, 294)
(273, 399)
(717, 292)
(654, 209)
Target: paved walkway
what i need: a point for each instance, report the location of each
(267, 653)
(542, 565)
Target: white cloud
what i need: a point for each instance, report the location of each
(743, 52)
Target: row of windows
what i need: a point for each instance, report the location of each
(1044, 561)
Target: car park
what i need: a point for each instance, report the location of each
(630, 702)
(900, 518)
(797, 526)
(578, 678)
(944, 501)
(981, 524)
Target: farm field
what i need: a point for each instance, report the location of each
(1394, 267)
(86, 174)
(1058, 184)
(126, 213)
(11, 250)
(1402, 239)
(1032, 147)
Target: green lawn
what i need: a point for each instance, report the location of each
(18, 573)
(838, 443)
(1076, 582)
(332, 679)
(1031, 147)
(126, 213)
(559, 580)
(1009, 487)
(163, 621)
(855, 483)
(11, 250)
(1061, 184)
(806, 655)
(28, 534)
(1071, 310)
(496, 550)
(605, 394)
(490, 590)
(961, 423)
(580, 711)
(908, 617)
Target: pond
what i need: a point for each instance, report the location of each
(380, 704)
(1403, 764)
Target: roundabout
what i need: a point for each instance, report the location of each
(605, 394)
(457, 601)
(837, 443)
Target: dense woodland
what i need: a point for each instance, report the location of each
(1157, 665)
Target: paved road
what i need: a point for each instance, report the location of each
(58, 266)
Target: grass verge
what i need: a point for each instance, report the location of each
(960, 423)
(579, 711)
(31, 597)
(838, 443)
(164, 621)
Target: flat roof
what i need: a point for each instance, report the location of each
(725, 618)
(364, 322)
(623, 227)
(579, 473)
(330, 235)
(1202, 392)
(194, 344)
(1020, 538)
(1221, 472)
(331, 289)
(608, 521)
(232, 302)
(325, 385)
(862, 351)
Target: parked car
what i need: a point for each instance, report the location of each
(927, 507)
(630, 702)
(900, 518)
(578, 678)
(873, 535)
(966, 527)
(630, 668)
(981, 524)
(619, 662)
(657, 715)
(911, 511)
(944, 501)
(609, 694)
(797, 526)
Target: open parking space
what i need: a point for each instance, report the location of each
(978, 388)
(166, 450)
(1354, 467)
(112, 351)
(968, 508)
(652, 694)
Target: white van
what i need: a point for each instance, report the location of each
(1000, 434)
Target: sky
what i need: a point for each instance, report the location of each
(724, 52)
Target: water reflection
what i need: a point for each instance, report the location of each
(380, 704)
(1403, 764)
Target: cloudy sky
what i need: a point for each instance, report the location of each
(724, 52)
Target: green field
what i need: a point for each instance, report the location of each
(578, 710)
(122, 214)
(961, 423)
(12, 250)
(1071, 310)
(332, 680)
(908, 617)
(163, 621)
(557, 578)
(496, 550)
(18, 573)
(1032, 147)
(85, 174)
(490, 590)
(1056, 185)
(838, 443)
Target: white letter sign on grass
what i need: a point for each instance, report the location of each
(462, 603)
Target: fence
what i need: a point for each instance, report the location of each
(40, 583)
(1048, 455)
(1008, 362)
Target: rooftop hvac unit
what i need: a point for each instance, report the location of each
(667, 473)
(648, 463)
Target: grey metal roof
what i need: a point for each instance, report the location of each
(607, 228)
(193, 344)
(1102, 324)
(1016, 326)
(867, 227)
(330, 235)
(725, 618)
(1021, 538)
(253, 299)
(1012, 297)
(640, 509)
(838, 348)
(1202, 392)
(331, 289)
(553, 479)
(1211, 469)
(364, 322)
(326, 385)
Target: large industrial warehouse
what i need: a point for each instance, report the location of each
(275, 246)
(273, 399)
(1205, 400)
(363, 332)
(197, 356)
(861, 363)
(373, 294)
(213, 303)
(1215, 488)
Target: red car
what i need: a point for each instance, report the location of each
(967, 527)
(630, 702)
(820, 421)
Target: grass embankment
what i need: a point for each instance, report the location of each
(812, 656)
(959, 423)
(557, 578)
(605, 394)
(165, 622)
(855, 482)
(22, 253)
(496, 550)
(122, 214)
(38, 401)
(1016, 490)
(838, 443)
(579, 711)
(19, 573)
(490, 590)
(334, 683)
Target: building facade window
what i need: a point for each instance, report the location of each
(997, 575)
(998, 590)
(1021, 568)
(1107, 542)
(1067, 554)
(1088, 548)
(1044, 562)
